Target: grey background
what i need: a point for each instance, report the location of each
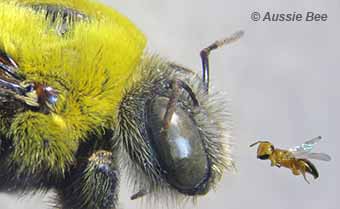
(283, 80)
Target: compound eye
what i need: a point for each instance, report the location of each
(264, 157)
(179, 147)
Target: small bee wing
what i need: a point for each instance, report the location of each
(304, 150)
(315, 156)
(319, 156)
(307, 146)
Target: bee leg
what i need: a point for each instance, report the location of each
(273, 161)
(295, 167)
(304, 176)
(307, 167)
(206, 52)
(295, 171)
(93, 185)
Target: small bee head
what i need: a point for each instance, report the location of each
(264, 150)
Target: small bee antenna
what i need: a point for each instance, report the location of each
(255, 143)
(318, 137)
(314, 140)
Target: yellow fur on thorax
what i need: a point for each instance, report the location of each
(93, 60)
(89, 66)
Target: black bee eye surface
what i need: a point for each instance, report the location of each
(179, 147)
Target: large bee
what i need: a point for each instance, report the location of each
(80, 99)
(296, 159)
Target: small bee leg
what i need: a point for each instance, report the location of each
(272, 161)
(307, 167)
(295, 167)
(92, 186)
(295, 171)
(304, 176)
(206, 52)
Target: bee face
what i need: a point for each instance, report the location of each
(190, 153)
(264, 150)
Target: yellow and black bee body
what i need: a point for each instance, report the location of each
(80, 99)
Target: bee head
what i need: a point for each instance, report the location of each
(173, 131)
(264, 150)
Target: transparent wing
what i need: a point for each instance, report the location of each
(318, 156)
(304, 150)
(307, 146)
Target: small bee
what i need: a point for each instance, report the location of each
(295, 158)
(81, 99)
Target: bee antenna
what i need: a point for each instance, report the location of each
(206, 52)
(253, 144)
